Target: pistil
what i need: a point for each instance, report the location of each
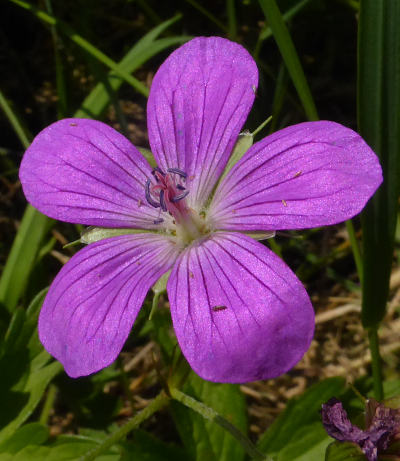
(169, 195)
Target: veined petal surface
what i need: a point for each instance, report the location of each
(239, 313)
(198, 102)
(307, 175)
(95, 298)
(83, 171)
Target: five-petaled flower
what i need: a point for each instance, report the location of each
(238, 311)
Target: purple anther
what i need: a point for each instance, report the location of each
(177, 171)
(159, 170)
(162, 201)
(180, 187)
(158, 221)
(148, 196)
(180, 196)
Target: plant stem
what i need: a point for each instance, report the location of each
(212, 415)
(155, 405)
(48, 404)
(356, 249)
(375, 362)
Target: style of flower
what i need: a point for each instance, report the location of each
(238, 311)
(382, 427)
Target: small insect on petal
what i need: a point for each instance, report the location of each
(284, 203)
(297, 174)
(219, 308)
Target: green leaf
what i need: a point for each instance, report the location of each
(26, 393)
(204, 439)
(308, 444)
(30, 434)
(342, 451)
(66, 448)
(298, 413)
(379, 124)
(146, 447)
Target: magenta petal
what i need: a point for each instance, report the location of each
(239, 313)
(83, 171)
(199, 100)
(94, 300)
(307, 175)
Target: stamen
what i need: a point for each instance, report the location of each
(162, 201)
(157, 170)
(179, 197)
(158, 221)
(177, 171)
(152, 202)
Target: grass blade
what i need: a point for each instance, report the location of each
(21, 259)
(34, 225)
(289, 55)
(379, 124)
(14, 121)
(84, 44)
(231, 13)
(98, 100)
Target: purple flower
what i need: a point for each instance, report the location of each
(383, 426)
(239, 312)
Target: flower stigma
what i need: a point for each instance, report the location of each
(169, 194)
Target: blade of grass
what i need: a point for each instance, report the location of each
(34, 225)
(208, 15)
(154, 17)
(84, 44)
(32, 229)
(62, 105)
(20, 261)
(289, 55)
(267, 32)
(98, 100)
(12, 117)
(293, 65)
(379, 124)
(231, 13)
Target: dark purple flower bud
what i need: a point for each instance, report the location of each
(383, 426)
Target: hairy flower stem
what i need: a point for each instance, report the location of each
(155, 405)
(376, 362)
(212, 415)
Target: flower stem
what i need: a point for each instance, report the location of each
(48, 404)
(212, 415)
(376, 362)
(356, 249)
(155, 405)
